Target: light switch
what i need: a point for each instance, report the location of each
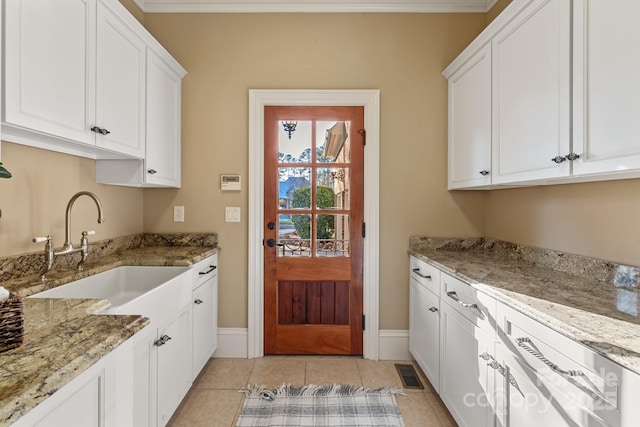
(178, 214)
(231, 214)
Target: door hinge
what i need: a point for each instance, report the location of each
(364, 230)
(363, 322)
(363, 132)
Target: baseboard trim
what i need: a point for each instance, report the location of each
(232, 343)
(394, 345)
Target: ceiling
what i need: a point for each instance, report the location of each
(314, 6)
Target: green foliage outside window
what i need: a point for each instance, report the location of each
(301, 198)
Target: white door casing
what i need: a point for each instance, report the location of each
(258, 99)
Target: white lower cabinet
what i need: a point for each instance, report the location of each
(173, 364)
(466, 381)
(101, 396)
(553, 378)
(495, 366)
(424, 331)
(467, 338)
(205, 323)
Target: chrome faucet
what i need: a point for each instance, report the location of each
(68, 248)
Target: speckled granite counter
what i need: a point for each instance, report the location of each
(594, 302)
(63, 337)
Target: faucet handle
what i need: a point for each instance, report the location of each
(42, 239)
(88, 233)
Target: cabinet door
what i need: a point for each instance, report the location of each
(49, 67)
(205, 323)
(606, 86)
(424, 331)
(531, 94)
(162, 163)
(174, 366)
(466, 382)
(120, 91)
(470, 122)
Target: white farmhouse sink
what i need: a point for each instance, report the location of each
(131, 290)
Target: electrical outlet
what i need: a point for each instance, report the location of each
(178, 214)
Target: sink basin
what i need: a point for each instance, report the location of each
(120, 286)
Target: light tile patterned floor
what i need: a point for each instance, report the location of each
(214, 399)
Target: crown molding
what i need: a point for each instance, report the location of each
(315, 6)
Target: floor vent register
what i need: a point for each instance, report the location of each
(409, 376)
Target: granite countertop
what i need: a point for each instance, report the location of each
(63, 337)
(594, 302)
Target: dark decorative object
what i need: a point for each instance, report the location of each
(289, 127)
(3, 172)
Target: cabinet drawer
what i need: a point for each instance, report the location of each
(475, 306)
(568, 372)
(204, 270)
(425, 274)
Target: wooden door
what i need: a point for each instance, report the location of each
(313, 231)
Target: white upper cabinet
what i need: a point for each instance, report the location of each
(161, 164)
(49, 67)
(470, 121)
(531, 94)
(565, 96)
(120, 86)
(606, 86)
(77, 82)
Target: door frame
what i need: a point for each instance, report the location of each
(370, 100)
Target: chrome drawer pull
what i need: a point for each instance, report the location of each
(417, 271)
(454, 296)
(433, 309)
(524, 343)
(493, 363)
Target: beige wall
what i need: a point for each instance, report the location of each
(34, 200)
(600, 220)
(400, 54)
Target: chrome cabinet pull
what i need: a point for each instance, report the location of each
(211, 268)
(524, 343)
(484, 172)
(162, 340)
(198, 301)
(558, 159)
(493, 363)
(417, 271)
(454, 296)
(152, 171)
(433, 309)
(573, 156)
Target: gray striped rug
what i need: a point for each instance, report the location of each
(313, 405)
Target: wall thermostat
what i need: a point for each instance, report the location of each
(230, 183)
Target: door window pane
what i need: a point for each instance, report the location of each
(294, 185)
(333, 142)
(297, 240)
(332, 235)
(332, 188)
(297, 148)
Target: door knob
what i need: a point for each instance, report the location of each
(271, 243)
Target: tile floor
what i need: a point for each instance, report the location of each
(214, 399)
